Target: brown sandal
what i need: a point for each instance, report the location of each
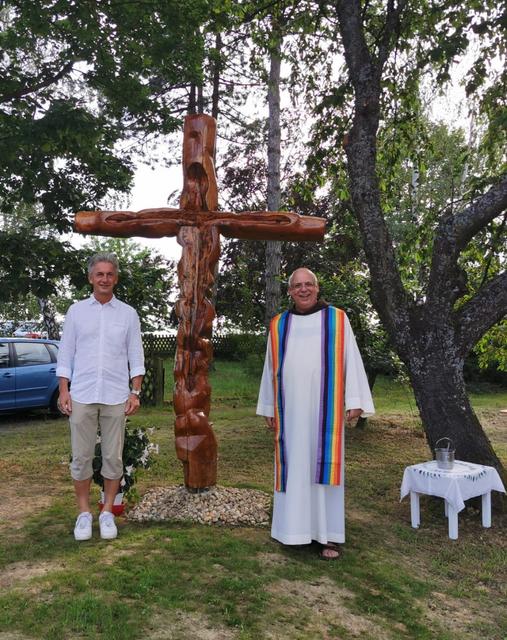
(333, 551)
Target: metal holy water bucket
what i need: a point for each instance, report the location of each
(444, 457)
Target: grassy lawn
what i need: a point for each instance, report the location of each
(164, 580)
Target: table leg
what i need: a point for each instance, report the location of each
(414, 509)
(486, 509)
(452, 515)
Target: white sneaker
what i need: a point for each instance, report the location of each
(108, 530)
(83, 528)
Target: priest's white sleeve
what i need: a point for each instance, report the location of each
(357, 389)
(266, 402)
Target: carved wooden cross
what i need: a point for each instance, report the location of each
(197, 225)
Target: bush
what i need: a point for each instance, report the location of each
(137, 453)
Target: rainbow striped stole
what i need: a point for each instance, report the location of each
(329, 454)
(279, 333)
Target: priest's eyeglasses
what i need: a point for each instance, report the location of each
(299, 285)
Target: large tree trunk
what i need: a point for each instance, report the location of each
(273, 248)
(440, 393)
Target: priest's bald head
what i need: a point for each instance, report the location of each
(303, 289)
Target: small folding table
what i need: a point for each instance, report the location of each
(464, 481)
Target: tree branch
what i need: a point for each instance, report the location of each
(452, 235)
(493, 246)
(357, 54)
(391, 25)
(480, 212)
(44, 80)
(480, 313)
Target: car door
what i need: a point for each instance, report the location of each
(7, 378)
(35, 374)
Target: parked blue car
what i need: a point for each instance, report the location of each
(28, 374)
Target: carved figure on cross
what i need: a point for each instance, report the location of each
(197, 224)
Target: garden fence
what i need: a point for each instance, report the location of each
(159, 347)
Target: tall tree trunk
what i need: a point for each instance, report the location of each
(215, 99)
(49, 318)
(217, 68)
(200, 98)
(273, 248)
(192, 99)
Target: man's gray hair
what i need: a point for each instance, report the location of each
(291, 277)
(103, 257)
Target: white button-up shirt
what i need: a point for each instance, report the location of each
(100, 349)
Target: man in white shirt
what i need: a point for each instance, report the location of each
(100, 350)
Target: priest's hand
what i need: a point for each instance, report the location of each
(350, 414)
(270, 423)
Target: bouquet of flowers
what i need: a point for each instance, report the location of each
(137, 453)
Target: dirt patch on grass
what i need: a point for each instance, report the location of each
(273, 559)
(495, 425)
(317, 609)
(398, 424)
(18, 573)
(467, 617)
(183, 625)
(18, 504)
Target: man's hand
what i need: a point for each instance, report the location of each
(65, 402)
(270, 423)
(352, 413)
(132, 405)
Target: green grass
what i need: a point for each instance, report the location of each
(183, 581)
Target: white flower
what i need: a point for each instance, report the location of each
(129, 469)
(153, 448)
(99, 438)
(122, 482)
(150, 430)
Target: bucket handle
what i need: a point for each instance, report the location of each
(445, 438)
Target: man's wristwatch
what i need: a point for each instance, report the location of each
(135, 392)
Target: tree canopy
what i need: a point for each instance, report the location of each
(83, 86)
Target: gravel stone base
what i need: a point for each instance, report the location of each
(218, 505)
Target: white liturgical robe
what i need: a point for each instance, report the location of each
(308, 511)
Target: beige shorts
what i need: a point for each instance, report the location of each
(84, 422)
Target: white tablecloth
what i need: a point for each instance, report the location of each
(464, 481)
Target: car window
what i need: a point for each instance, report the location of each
(4, 355)
(54, 350)
(31, 353)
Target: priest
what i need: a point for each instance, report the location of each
(313, 380)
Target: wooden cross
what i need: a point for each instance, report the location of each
(197, 225)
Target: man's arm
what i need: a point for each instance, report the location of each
(135, 356)
(358, 400)
(65, 363)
